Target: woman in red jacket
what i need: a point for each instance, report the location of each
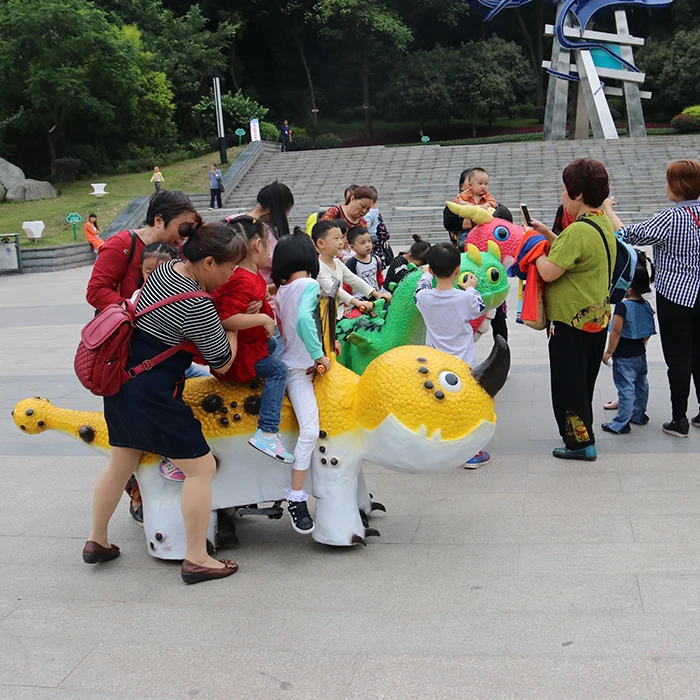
(117, 271)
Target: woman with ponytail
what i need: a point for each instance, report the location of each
(149, 415)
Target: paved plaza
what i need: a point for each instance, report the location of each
(530, 579)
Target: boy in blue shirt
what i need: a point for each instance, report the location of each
(630, 329)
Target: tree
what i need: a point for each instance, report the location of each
(496, 77)
(363, 24)
(420, 87)
(84, 76)
(671, 67)
(237, 108)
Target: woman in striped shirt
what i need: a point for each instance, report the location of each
(149, 415)
(674, 235)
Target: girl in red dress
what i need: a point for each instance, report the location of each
(255, 331)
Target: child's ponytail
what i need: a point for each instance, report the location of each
(419, 250)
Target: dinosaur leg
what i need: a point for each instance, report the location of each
(162, 515)
(337, 517)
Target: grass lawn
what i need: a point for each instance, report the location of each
(190, 176)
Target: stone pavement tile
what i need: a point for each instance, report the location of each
(65, 474)
(679, 678)
(602, 635)
(670, 593)
(24, 662)
(481, 481)
(637, 503)
(515, 530)
(118, 622)
(504, 678)
(633, 461)
(666, 528)
(610, 558)
(8, 602)
(223, 668)
(16, 692)
(21, 507)
(666, 481)
(64, 551)
(492, 504)
(81, 583)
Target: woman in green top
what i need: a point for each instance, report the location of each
(577, 272)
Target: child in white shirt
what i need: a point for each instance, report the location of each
(294, 266)
(329, 241)
(447, 311)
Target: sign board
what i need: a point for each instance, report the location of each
(254, 130)
(74, 218)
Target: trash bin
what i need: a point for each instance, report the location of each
(10, 259)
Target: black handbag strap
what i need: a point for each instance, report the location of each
(605, 243)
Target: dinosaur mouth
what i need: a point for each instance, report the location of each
(396, 447)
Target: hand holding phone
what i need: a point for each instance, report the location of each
(526, 214)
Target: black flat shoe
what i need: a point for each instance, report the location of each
(94, 553)
(678, 428)
(609, 429)
(136, 513)
(193, 573)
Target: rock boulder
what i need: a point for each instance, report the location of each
(10, 174)
(2, 193)
(29, 190)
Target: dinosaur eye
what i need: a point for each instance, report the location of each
(463, 276)
(501, 233)
(449, 381)
(494, 274)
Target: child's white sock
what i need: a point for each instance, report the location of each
(268, 436)
(296, 495)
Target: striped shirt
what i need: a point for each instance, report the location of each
(674, 235)
(191, 319)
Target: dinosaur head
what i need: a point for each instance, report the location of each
(506, 235)
(422, 410)
(486, 266)
(36, 415)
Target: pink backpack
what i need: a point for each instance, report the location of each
(103, 352)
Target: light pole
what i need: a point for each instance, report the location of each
(219, 117)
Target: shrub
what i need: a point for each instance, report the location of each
(198, 147)
(694, 111)
(327, 141)
(268, 131)
(686, 124)
(68, 169)
(301, 142)
(345, 116)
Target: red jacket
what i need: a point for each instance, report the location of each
(114, 278)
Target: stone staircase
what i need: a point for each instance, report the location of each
(414, 182)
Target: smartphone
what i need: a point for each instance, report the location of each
(526, 214)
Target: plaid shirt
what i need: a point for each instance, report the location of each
(674, 235)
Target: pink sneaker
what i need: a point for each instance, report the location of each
(169, 471)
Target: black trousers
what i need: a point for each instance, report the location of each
(574, 362)
(679, 327)
(215, 195)
(285, 145)
(499, 325)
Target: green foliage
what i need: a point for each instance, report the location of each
(686, 123)
(268, 131)
(693, 111)
(303, 142)
(671, 66)
(327, 141)
(419, 90)
(198, 147)
(68, 169)
(494, 78)
(84, 78)
(238, 111)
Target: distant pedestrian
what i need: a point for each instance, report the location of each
(215, 186)
(157, 178)
(285, 136)
(92, 232)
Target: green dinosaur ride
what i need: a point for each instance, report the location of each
(400, 323)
